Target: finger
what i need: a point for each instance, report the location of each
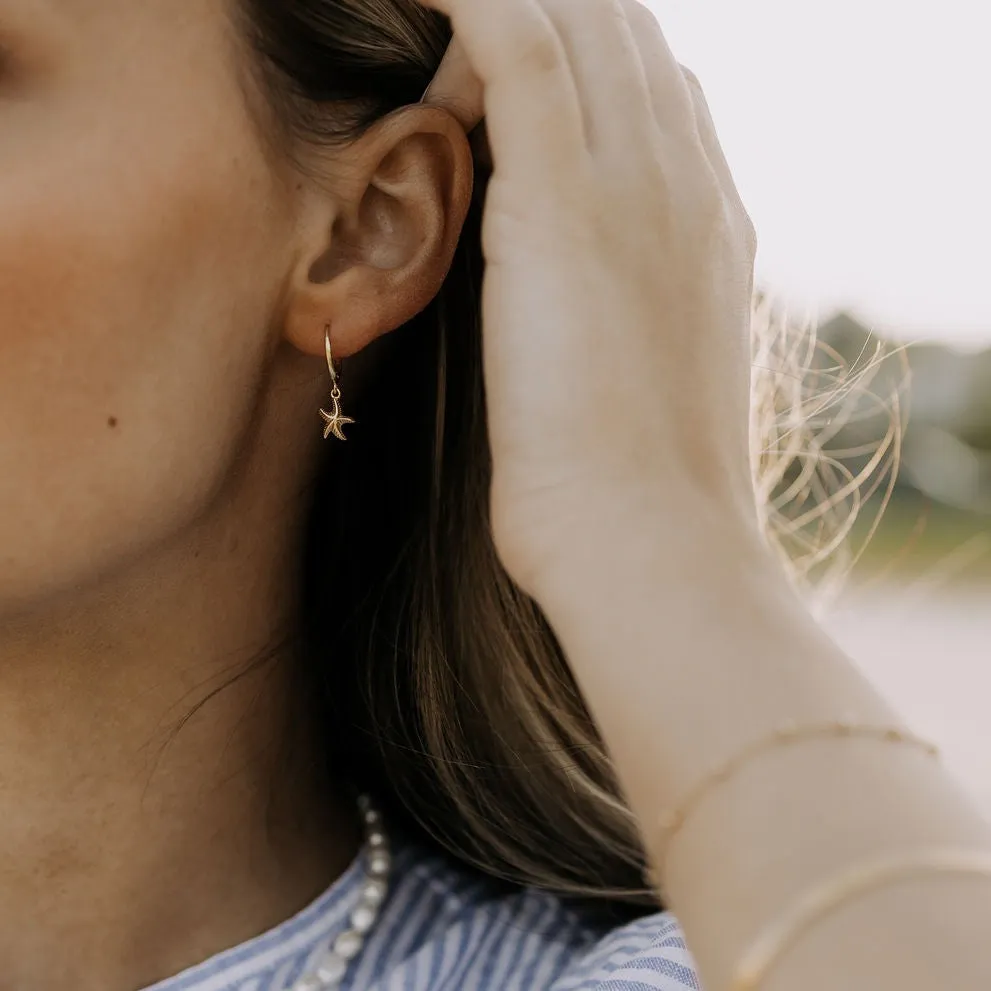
(676, 94)
(532, 111)
(480, 147)
(456, 87)
(608, 72)
(670, 97)
(710, 140)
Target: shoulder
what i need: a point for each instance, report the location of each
(646, 955)
(470, 936)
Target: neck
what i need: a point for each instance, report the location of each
(148, 820)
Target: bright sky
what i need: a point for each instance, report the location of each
(859, 133)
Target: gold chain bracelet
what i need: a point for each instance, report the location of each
(786, 734)
(772, 944)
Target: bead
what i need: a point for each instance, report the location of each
(844, 726)
(378, 863)
(332, 968)
(670, 820)
(348, 944)
(894, 736)
(373, 893)
(363, 918)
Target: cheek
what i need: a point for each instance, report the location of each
(138, 270)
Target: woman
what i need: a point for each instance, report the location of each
(281, 711)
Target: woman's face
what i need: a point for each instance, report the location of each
(144, 245)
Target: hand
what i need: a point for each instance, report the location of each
(616, 304)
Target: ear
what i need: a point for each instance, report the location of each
(378, 230)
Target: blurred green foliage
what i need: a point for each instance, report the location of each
(937, 519)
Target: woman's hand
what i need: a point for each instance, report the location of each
(616, 320)
(619, 276)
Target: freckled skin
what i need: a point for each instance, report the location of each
(143, 245)
(162, 369)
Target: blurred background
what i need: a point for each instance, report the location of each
(858, 134)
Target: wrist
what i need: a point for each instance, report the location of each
(670, 556)
(688, 644)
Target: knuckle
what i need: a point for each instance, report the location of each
(712, 215)
(640, 16)
(750, 233)
(616, 11)
(641, 19)
(690, 77)
(555, 9)
(709, 196)
(540, 51)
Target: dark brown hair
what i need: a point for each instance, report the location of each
(433, 680)
(437, 682)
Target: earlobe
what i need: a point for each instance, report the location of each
(377, 240)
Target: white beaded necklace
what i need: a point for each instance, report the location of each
(332, 966)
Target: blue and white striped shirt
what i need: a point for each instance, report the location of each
(445, 929)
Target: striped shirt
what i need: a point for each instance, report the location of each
(443, 928)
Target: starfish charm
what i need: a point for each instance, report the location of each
(334, 420)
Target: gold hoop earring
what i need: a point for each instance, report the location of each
(334, 420)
